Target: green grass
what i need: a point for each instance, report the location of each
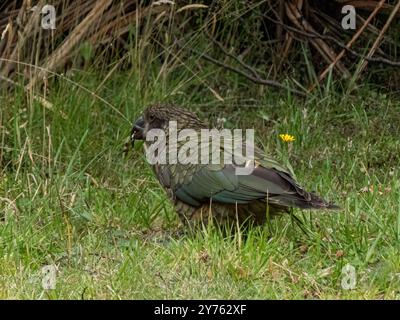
(69, 198)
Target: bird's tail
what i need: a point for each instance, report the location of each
(302, 199)
(312, 201)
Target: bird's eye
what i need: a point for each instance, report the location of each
(151, 117)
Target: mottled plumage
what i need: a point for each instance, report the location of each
(199, 191)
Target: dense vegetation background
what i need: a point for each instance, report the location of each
(70, 197)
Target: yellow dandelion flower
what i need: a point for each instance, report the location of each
(287, 137)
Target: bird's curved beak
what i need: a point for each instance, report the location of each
(137, 130)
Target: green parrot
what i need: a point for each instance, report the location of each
(203, 191)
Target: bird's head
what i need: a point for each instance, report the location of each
(158, 116)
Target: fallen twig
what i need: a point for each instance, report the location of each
(349, 44)
(252, 78)
(337, 42)
(378, 39)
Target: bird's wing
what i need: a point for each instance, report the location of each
(198, 183)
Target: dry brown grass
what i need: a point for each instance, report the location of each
(106, 24)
